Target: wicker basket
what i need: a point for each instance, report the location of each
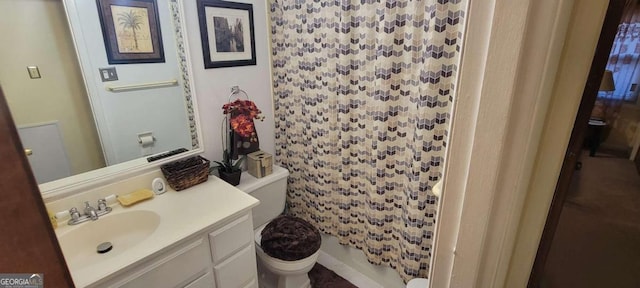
(185, 173)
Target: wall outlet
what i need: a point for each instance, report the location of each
(34, 72)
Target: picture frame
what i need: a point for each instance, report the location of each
(227, 33)
(131, 31)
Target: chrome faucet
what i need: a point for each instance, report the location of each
(90, 213)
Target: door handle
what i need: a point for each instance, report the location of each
(28, 152)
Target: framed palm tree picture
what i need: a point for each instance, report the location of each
(131, 31)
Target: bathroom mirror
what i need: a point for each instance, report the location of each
(94, 118)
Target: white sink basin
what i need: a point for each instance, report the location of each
(124, 230)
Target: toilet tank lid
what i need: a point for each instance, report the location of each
(248, 183)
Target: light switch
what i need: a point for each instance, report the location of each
(34, 72)
(108, 74)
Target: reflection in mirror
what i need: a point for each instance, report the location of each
(75, 111)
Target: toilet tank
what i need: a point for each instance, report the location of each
(271, 190)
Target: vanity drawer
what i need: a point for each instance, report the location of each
(205, 281)
(231, 238)
(237, 271)
(252, 284)
(172, 268)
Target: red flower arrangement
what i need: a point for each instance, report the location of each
(242, 113)
(238, 139)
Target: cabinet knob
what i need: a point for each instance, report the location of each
(28, 152)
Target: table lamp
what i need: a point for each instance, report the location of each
(607, 84)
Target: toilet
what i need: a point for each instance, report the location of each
(271, 190)
(418, 283)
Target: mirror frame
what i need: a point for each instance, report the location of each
(65, 187)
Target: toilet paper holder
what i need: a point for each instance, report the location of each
(146, 138)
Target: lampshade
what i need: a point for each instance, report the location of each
(607, 82)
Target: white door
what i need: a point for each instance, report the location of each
(47, 156)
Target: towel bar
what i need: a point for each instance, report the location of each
(142, 86)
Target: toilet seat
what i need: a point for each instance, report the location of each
(258, 234)
(282, 266)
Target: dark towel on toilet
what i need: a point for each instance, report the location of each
(290, 238)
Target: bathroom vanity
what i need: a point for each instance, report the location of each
(198, 237)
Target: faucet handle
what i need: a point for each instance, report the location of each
(75, 215)
(102, 204)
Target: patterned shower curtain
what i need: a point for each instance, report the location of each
(363, 96)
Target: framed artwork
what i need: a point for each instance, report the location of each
(226, 30)
(131, 31)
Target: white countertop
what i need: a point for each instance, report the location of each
(182, 214)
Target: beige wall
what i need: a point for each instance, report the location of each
(580, 43)
(35, 32)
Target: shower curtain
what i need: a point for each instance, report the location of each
(363, 96)
(624, 59)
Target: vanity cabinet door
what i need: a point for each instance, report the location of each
(172, 269)
(233, 253)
